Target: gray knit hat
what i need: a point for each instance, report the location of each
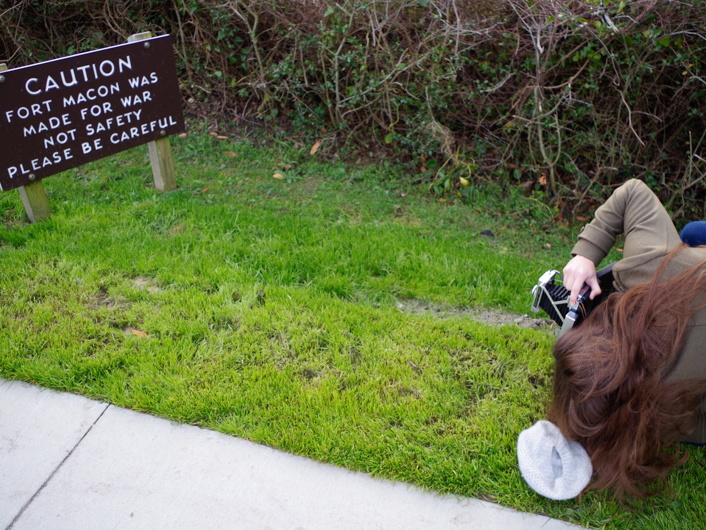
(552, 465)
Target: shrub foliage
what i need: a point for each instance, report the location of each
(567, 98)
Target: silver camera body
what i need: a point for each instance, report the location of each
(552, 297)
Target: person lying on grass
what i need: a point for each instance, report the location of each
(630, 381)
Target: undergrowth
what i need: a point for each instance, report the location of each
(568, 98)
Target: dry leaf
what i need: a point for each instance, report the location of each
(542, 180)
(278, 176)
(138, 333)
(231, 153)
(315, 148)
(221, 137)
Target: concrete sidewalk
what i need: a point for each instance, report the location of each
(67, 462)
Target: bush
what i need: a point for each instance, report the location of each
(566, 98)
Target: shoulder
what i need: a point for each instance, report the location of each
(636, 189)
(641, 268)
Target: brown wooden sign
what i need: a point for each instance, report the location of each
(63, 113)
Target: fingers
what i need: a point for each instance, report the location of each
(576, 286)
(579, 271)
(595, 288)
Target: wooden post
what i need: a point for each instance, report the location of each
(36, 201)
(34, 196)
(160, 150)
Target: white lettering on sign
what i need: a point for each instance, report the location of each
(35, 109)
(114, 121)
(87, 147)
(129, 101)
(40, 162)
(80, 74)
(139, 82)
(143, 129)
(54, 122)
(91, 94)
(61, 138)
(97, 110)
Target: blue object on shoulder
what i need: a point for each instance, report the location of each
(694, 233)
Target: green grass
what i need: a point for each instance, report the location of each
(270, 309)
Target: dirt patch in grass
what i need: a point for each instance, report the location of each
(146, 284)
(103, 300)
(492, 317)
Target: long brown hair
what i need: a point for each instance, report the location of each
(609, 391)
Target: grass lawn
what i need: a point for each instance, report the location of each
(324, 313)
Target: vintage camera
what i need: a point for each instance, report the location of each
(552, 297)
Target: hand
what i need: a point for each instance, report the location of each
(580, 271)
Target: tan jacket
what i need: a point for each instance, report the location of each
(650, 235)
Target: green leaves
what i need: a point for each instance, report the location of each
(373, 76)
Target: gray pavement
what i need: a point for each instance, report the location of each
(67, 462)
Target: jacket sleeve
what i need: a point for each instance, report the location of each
(634, 210)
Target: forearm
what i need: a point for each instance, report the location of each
(634, 210)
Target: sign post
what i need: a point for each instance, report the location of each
(60, 114)
(160, 150)
(34, 196)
